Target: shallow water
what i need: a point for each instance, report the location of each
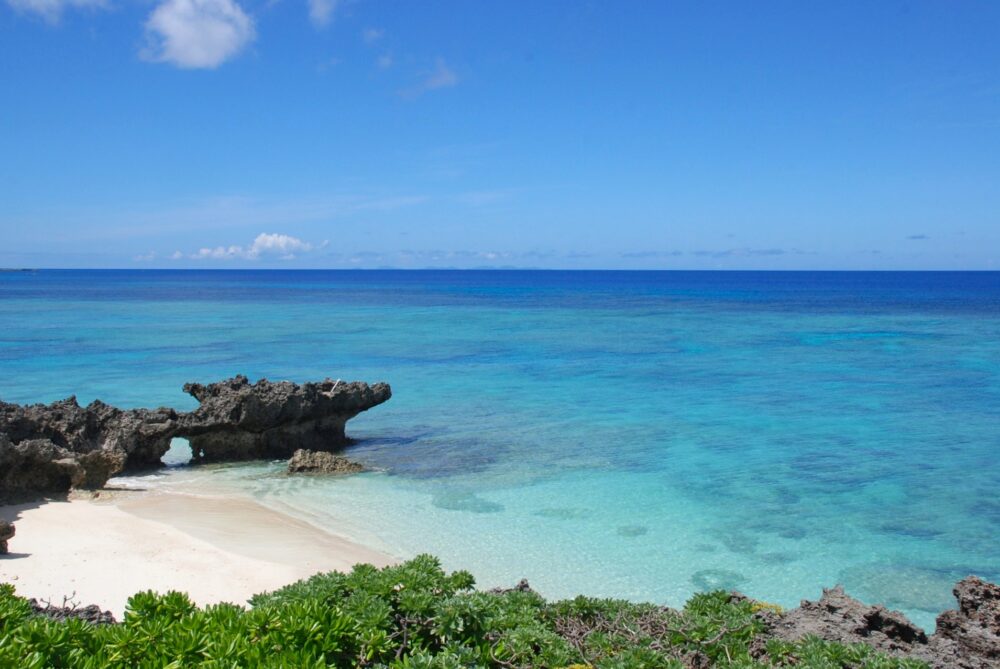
(643, 435)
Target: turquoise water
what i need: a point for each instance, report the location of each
(642, 434)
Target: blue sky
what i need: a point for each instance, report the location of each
(363, 133)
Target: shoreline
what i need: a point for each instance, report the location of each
(103, 549)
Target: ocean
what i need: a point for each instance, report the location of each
(643, 435)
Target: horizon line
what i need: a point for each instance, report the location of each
(16, 270)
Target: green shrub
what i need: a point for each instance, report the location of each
(409, 616)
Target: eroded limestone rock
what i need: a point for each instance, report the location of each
(839, 617)
(48, 448)
(968, 638)
(320, 462)
(6, 534)
(37, 466)
(91, 613)
(53, 448)
(238, 420)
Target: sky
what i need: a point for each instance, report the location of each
(619, 134)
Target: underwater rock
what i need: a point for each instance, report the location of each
(632, 530)
(563, 513)
(238, 420)
(902, 586)
(6, 534)
(739, 542)
(465, 501)
(792, 533)
(776, 558)
(320, 462)
(968, 638)
(708, 580)
(917, 529)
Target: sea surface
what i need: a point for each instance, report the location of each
(633, 434)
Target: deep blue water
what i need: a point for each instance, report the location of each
(639, 434)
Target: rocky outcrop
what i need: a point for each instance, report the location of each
(968, 638)
(321, 462)
(6, 534)
(36, 466)
(838, 617)
(238, 420)
(91, 613)
(522, 586)
(47, 448)
(53, 448)
(142, 435)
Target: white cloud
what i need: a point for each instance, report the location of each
(441, 76)
(145, 257)
(372, 35)
(176, 255)
(384, 61)
(51, 10)
(197, 33)
(283, 247)
(321, 12)
(219, 252)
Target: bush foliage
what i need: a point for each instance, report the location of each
(411, 616)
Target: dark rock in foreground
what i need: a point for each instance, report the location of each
(838, 617)
(6, 534)
(968, 638)
(91, 614)
(238, 420)
(56, 447)
(321, 462)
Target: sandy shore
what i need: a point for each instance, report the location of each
(215, 549)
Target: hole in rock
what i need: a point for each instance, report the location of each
(179, 452)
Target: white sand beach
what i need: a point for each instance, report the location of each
(103, 550)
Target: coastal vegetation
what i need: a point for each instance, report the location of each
(417, 616)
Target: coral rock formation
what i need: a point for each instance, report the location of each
(53, 448)
(6, 534)
(91, 613)
(238, 420)
(968, 638)
(320, 462)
